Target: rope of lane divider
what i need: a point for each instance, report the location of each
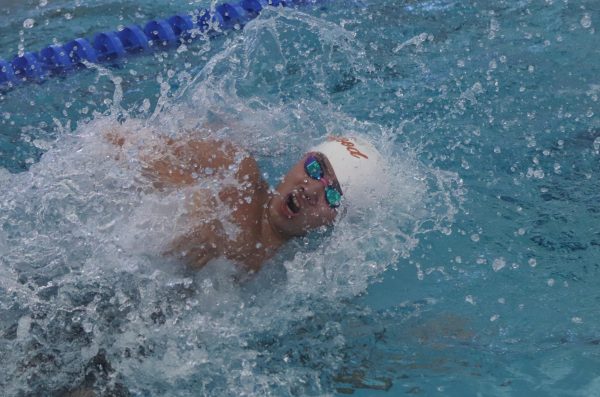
(109, 46)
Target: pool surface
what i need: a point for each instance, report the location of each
(476, 272)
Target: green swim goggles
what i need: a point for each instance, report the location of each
(314, 169)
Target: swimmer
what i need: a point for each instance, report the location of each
(311, 195)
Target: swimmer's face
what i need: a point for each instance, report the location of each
(299, 204)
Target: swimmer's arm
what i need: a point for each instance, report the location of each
(202, 241)
(181, 163)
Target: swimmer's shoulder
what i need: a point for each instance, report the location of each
(249, 173)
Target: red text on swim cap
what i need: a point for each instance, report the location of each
(350, 147)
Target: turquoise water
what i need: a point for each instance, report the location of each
(475, 274)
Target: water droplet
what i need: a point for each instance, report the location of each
(475, 237)
(43, 3)
(532, 262)
(28, 23)
(498, 264)
(68, 16)
(586, 21)
(550, 282)
(576, 320)
(87, 326)
(470, 299)
(557, 168)
(494, 317)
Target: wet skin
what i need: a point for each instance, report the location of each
(312, 209)
(265, 219)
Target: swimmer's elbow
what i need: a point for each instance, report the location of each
(199, 263)
(194, 258)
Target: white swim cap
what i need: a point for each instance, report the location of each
(358, 166)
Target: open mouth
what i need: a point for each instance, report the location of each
(292, 203)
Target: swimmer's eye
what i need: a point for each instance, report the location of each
(334, 198)
(314, 169)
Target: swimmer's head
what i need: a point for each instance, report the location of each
(358, 167)
(347, 171)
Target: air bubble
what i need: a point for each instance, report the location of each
(28, 23)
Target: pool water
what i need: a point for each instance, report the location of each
(474, 274)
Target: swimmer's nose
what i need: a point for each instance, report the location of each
(313, 191)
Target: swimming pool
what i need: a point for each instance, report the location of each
(477, 275)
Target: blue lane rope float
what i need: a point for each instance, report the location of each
(110, 46)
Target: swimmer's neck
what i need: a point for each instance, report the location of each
(270, 237)
(265, 241)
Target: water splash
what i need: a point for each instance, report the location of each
(86, 293)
